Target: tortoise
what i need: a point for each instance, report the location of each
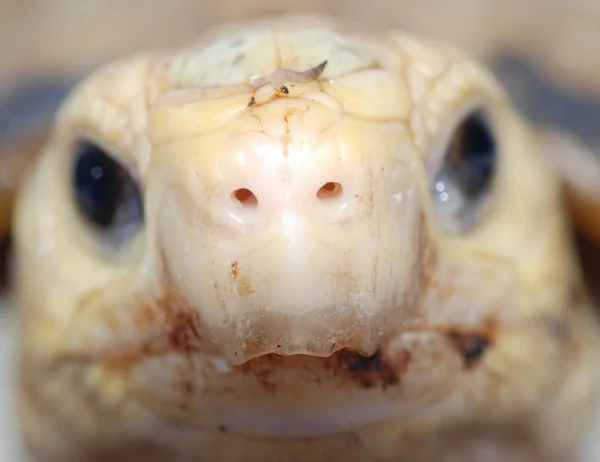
(302, 239)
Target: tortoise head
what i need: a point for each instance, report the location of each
(377, 240)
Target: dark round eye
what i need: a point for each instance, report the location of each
(467, 171)
(104, 191)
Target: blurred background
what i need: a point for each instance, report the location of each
(545, 52)
(54, 38)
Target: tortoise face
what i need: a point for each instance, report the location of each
(294, 259)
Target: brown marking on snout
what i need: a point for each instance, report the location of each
(244, 288)
(374, 370)
(181, 321)
(263, 369)
(343, 367)
(183, 330)
(173, 327)
(111, 321)
(242, 284)
(187, 390)
(233, 270)
(145, 316)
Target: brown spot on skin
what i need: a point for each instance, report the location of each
(472, 343)
(111, 321)
(471, 346)
(244, 288)
(222, 429)
(183, 330)
(489, 328)
(145, 316)
(181, 322)
(343, 367)
(252, 102)
(262, 368)
(242, 283)
(168, 314)
(371, 371)
(233, 270)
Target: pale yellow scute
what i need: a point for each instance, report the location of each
(235, 58)
(373, 94)
(232, 60)
(305, 48)
(168, 123)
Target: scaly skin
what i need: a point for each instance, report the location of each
(235, 333)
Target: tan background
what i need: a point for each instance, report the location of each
(60, 36)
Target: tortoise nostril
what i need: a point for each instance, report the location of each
(245, 197)
(330, 190)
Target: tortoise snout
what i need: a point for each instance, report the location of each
(268, 199)
(329, 191)
(293, 230)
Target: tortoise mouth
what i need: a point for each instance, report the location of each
(284, 397)
(320, 332)
(470, 343)
(272, 396)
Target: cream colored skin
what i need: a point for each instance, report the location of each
(223, 331)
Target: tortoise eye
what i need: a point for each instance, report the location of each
(466, 174)
(104, 191)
